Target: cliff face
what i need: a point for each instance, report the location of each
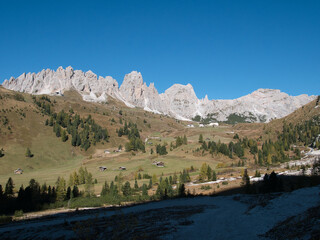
(179, 101)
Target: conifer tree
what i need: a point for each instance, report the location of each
(200, 138)
(105, 189)
(174, 178)
(61, 189)
(209, 173)
(9, 190)
(126, 189)
(58, 130)
(89, 188)
(28, 153)
(82, 177)
(150, 184)
(75, 178)
(21, 194)
(170, 180)
(154, 179)
(203, 172)
(246, 181)
(70, 181)
(51, 121)
(181, 190)
(214, 175)
(185, 140)
(144, 190)
(75, 191)
(64, 136)
(68, 194)
(136, 186)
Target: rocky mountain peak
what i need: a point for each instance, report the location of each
(179, 101)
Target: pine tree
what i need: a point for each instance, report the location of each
(75, 191)
(68, 194)
(21, 194)
(71, 181)
(64, 136)
(75, 178)
(174, 178)
(150, 183)
(246, 181)
(144, 190)
(185, 140)
(51, 121)
(74, 138)
(82, 177)
(200, 138)
(58, 130)
(136, 186)
(105, 189)
(113, 189)
(9, 188)
(126, 189)
(170, 191)
(269, 160)
(154, 179)
(214, 176)
(89, 188)
(119, 180)
(61, 189)
(181, 190)
(203, 172)
(44, 188)
(28, 153)
(209, 173)
(170, 180)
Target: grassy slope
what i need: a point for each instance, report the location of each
(271, 129)
(53, 158)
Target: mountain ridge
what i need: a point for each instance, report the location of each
(178, 101)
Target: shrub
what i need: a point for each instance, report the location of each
(206, 187)
(19, 97)
(18, 213)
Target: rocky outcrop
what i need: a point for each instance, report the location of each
(179, 101)
(56, 82)
(136, 92)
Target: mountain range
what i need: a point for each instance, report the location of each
(178, 101)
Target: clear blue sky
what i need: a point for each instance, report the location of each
(225, 49)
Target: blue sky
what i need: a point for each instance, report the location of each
(225, 49)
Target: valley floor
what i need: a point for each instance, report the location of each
(222, 217)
